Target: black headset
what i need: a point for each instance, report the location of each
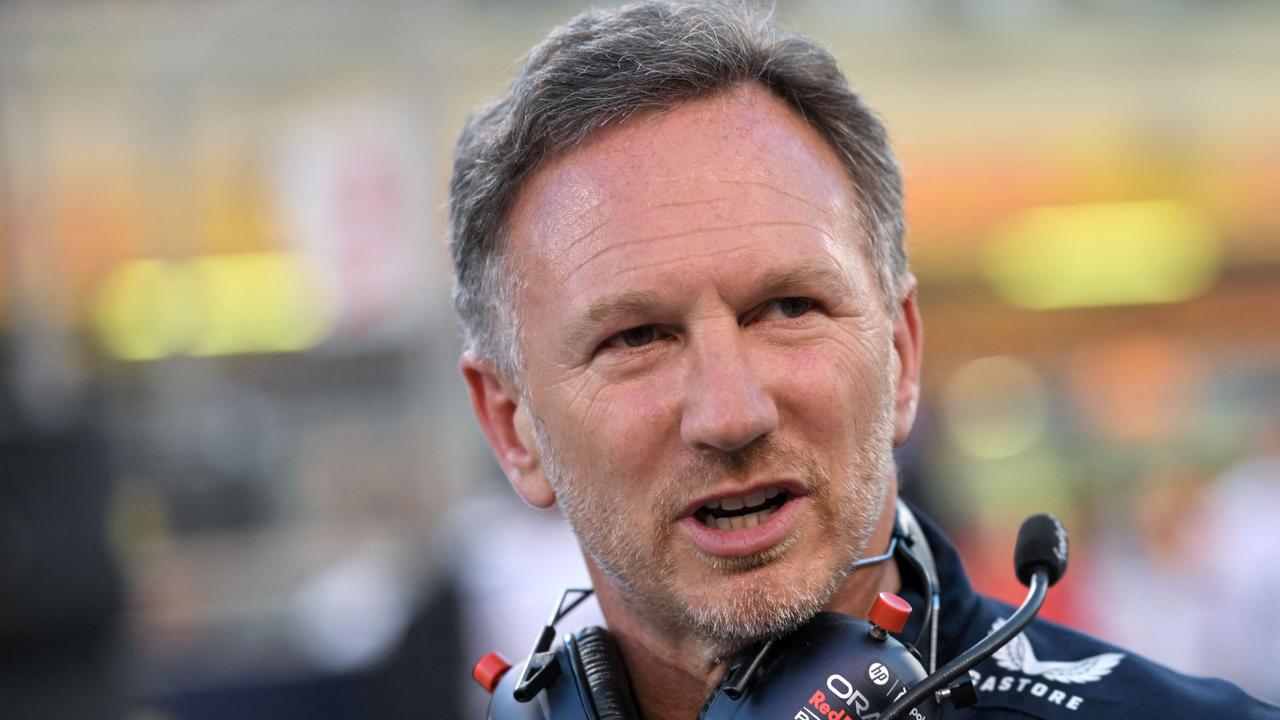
(584, 676)
(834, 667)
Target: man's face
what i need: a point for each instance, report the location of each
(707, 361)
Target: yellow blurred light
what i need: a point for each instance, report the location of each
(995, 407)
(213, 305)
(1129, 253)
(143, 310)
(256, 302)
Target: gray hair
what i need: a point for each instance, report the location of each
(606, 66)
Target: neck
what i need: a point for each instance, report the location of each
(673, 672)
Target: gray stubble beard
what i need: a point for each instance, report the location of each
(756, 611)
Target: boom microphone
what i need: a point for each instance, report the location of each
(1039, 559)
(1042, 542)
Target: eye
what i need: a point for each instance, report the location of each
(781, 308)
(794, 307)
(634, 337)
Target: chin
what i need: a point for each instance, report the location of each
(750, 608)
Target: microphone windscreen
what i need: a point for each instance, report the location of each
(1042, 542)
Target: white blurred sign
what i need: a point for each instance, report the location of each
(352, 194)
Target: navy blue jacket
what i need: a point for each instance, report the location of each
(1052, 672)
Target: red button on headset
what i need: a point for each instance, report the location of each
(890, 612)
(489, 670)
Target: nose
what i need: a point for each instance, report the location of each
(726, 405)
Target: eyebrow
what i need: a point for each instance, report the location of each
(821, 276)
(814, 275)
(631, 303)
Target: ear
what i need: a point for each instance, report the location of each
(908, 343)
(505, 420)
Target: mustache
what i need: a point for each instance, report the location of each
(764, 457)
(761, 452)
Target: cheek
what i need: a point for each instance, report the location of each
(625, 426)
(832, 389)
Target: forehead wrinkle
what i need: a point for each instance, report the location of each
(826, 211)
(606, 220)
(585, 234)
(684, 203)
(543, 212)
(689, 231)
(837, 214)
(689, 256)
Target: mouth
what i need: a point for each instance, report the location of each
(737, 525)
(742, 512)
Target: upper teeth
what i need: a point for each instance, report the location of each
(735, 504)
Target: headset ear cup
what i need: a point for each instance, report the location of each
(602, 672)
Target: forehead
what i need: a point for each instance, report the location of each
(735, 183)
(705, 159)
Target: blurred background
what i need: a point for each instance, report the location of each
(238, 473)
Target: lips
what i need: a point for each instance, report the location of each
(734, 523)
